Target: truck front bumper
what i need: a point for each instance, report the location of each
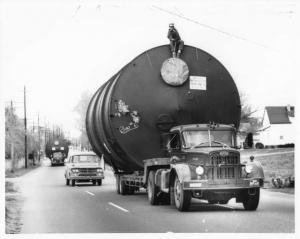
(222, 184)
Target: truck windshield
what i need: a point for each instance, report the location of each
(208, 138)
(85, 159)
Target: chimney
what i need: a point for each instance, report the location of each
(290, 111)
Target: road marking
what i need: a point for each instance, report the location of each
(114, 205)
(90, 193)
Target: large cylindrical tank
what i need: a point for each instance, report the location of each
(128, 114)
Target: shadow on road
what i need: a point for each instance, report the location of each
(205, 207)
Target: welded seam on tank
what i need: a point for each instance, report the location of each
(148, 57)
(109, 128)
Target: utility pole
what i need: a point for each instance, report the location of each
(25, 125)
(39, 139)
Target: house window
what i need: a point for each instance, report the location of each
(281, 137)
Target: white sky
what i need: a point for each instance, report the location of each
(59, 49)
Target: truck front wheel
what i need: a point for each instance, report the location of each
(182, 198)
(67, 181)
(152, 189)
(251, 201)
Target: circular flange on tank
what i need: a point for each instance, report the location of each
(174, 71)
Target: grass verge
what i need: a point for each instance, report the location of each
(276, 163)
(13, 205)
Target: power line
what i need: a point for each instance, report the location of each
(209, 27)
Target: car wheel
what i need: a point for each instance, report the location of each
(182, 198)
(250, 202)
(73, 182)
(99, 182)
(152, 189)
(259, 146)
(67, 181)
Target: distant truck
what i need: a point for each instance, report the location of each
(57, 151)
(169, 125)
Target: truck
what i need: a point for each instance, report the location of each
(169, 125)
(57, 151)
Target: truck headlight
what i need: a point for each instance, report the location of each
(248, 168)
(75, 170)
(99, 170)
(199, 170)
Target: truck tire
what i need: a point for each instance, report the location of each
(152, 189)
(250, 202)
(118, 184)
(99, 181)
(67, 181)
(165, 198)
(94, 182)
(123, 188)
(73, 182)
(182, 198)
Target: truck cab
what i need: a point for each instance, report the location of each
(204, 163)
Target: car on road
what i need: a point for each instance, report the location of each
(84, 167)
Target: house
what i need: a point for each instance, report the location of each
(278, 126)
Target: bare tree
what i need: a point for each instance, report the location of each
(81, 109)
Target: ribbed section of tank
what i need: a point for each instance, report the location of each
(128, 114)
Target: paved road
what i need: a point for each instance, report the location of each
(52, 207)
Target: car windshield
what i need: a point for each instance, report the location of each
(208, 138)
(85, 159)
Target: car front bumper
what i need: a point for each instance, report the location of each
(86, 177)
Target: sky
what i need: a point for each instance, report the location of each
(60, 49)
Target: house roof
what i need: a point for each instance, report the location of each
(278, 115)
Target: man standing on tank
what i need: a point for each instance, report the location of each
(175, 41)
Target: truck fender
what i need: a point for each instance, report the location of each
(182, 171)
(257, 171)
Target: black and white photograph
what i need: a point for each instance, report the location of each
(148, 119)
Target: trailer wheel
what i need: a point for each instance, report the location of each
(73, 182)
(67, 181)
(182, 198)
(250, 202)
(152, 189)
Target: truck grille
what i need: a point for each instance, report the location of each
(224, 167)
